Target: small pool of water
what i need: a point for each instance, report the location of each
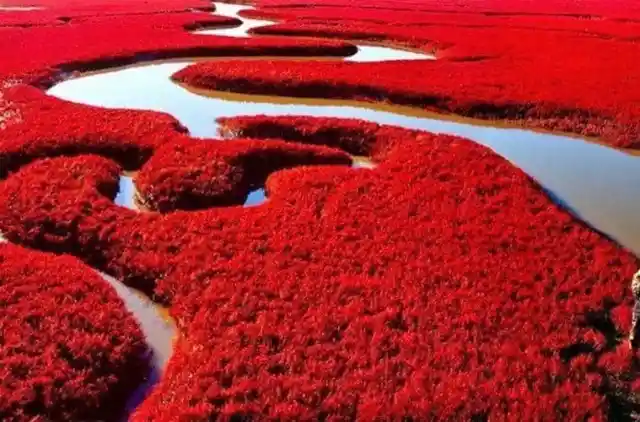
(374, 53)
(126, 193)
(259, 196)
(363, 163)
(255, 197)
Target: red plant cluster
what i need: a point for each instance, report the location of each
(502, 65)
(355, 136)
(69, 350)
(344, 14)
(200, 174)
(444, 283)
(394, 83)
(128, 137)
(115, 41)
(622, 10)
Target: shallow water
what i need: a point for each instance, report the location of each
(360, 162)
(126, 193)
(255, 197)
(232, 11)
(159, 330)
(153, 320)
(126, 196)
(374, 53)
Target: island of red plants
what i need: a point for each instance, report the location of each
(69, 350)
(444, 284)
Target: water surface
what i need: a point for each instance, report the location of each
(232, 11)
(159, 331)
(126, 193)
(255, 197)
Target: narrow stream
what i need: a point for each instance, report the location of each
(597, 183)
(159, 330)
(233, 11)
(366, 53)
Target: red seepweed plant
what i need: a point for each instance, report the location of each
(444, 284)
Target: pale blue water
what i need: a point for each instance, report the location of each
(255, 197)
(126, 193)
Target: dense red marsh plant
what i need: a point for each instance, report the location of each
(342, 80)
(199, 174)
(69, 350)
(444, 284)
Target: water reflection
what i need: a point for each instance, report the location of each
(363, 163)
(255, 197)
(373, 53)
(159, 330)
(126, 193)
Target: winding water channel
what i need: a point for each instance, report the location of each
(597, 183)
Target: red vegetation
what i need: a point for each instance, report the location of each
(68, 348)
(394, 83)
(585, 9)
(444, 283)
(114, 41)
(47, 127)
(502, 65)
(200, 174)
(354, 136)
